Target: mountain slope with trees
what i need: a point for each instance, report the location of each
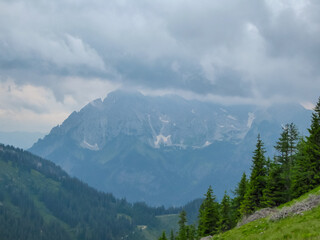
(38, 200)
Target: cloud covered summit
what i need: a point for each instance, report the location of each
(232, 51)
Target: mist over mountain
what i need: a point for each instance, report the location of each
(163, 150)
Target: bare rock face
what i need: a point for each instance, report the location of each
(162, 121)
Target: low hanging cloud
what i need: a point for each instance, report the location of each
(27, 107)
(248, 51)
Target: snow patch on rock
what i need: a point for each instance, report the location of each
(231, 117)
(85, 144)
(160, 139)
(163, 120)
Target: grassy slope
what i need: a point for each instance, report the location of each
(305, 226)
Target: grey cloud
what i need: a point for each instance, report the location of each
(224, 48)
(211, 24)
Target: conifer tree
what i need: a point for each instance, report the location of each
(163, 236)
(172, 235)
(313, 146)
(191, 232)
(302, 174)
(306, 170)
(254, 195)
(273, 193)
(208, 215)
(293, 141)
(268, 165)
(225, 222)
(182, 235)
(239, 193)
(286, 148)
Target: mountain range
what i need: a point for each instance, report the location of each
(164, 149)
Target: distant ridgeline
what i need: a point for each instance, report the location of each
(293, 171)
(38, 200)
(163, 150)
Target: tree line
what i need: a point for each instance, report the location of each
(293, 171)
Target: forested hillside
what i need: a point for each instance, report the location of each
(40, 201)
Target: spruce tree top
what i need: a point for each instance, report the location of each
(258, 160)
(315, 121)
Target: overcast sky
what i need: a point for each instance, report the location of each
(56, 56)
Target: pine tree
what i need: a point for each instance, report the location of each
(254, 195)
(286, 148)
(313, 146)
(302, 173)
(163, 236)
(208, 215)
(191, 232)
(273, 193)
(172, 235)
(239, 193)
(268, 165)
(293, 141)
(182, 235)
(306, 170)
(225, 222)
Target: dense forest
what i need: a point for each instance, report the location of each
(293, 171)
(38, 200)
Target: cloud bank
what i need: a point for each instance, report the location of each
(244, 51)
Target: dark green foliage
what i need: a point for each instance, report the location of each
(293, 142)
(21, 220)
(268, 165)
(306, 169)
(254, 195)
(186, 232)
(163, 236)
(279, 179)
(273, 193)
(313, 146)
(40, 201)
(302, 173)
(182, 235)
(172, 235)
(191, 232)
(208, 215)
(239, 194)
(226, 221)
(286, 148)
